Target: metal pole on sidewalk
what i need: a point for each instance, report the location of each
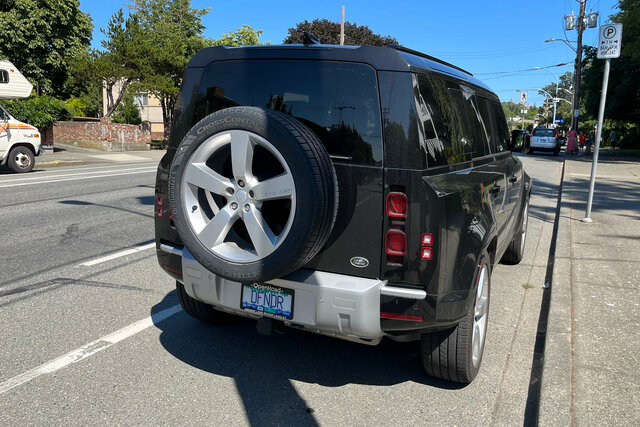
(594, 164)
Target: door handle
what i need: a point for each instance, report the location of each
(495, 190)
(513, 179)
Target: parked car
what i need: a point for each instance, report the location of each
(19, 142)
(357, 192)
(520, 140)
(545, 139)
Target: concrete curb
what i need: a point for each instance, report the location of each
(556, 387)
(55, 163)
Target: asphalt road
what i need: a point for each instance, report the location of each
(91, 332)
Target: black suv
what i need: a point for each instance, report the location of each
(356, 192)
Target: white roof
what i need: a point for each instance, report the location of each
(12, 83)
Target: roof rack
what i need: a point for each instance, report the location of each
(424, 55)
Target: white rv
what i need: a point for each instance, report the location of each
(19, 142)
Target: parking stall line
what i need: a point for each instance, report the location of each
(118, 255)
(152, 170)
(89, 349)
(76, 172)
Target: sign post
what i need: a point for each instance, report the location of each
(609, 46)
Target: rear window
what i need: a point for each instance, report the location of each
(338, 101)
(543, 132)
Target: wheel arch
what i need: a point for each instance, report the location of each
(25, 144)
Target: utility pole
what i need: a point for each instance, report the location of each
(342, 28)
(578, 67)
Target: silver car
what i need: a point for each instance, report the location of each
(545, 139)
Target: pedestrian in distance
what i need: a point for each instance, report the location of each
(571, 142)
(613, 137)
(589, 142)
(581, 141)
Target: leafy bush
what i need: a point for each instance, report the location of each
(77, 107)
(127, 112)
(39, 111)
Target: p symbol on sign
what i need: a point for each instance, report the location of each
(610, 32)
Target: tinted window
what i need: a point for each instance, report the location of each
(338, 101)
(501, 131)
(434, 139)
(494, 123)
(4, 76)
(543, 132)
(469, 133)
(450, 131)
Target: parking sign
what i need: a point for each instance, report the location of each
(610, 41)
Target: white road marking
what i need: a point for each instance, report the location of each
(86, 168)
(587, 175)
(35, 178)
(78, 178)
(89, 349)
(118, 255)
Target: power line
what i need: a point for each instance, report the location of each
(522, 71)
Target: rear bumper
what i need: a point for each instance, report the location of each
(331, 304)
(541, 145)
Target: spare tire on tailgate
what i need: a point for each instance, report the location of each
(253, 193)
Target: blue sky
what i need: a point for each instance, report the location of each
(480, 36)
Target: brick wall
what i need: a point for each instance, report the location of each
(103, 135)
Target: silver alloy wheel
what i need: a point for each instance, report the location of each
(241, 197)
(480, 316)
(23, 160)
(525, 220)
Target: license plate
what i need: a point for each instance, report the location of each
(267, 299)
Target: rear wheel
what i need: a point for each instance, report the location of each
(456, 354)
(515, 250)
(21, 159)
(200, 310)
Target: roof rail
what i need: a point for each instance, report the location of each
(424, 55)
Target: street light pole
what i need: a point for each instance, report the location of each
(555, 100)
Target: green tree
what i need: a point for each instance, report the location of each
(127, 112)
(623, 94)
(244, 36)
(329, 33)
(173, 34)
(39, 111)
(563, 108)
(41, 36)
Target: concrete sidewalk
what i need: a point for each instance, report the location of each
(592, 351)
(69, 155)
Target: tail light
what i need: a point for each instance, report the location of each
(160, 210)
(426, 251)
(397, 205)
(395, 240)
(395, 243)
(159, 204)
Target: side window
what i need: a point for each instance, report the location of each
(433, 138)
(489, 121)
(502, 131)
(4, 76)
(451, 127)
(470, 134)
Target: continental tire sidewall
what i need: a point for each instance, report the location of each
(315, 192)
